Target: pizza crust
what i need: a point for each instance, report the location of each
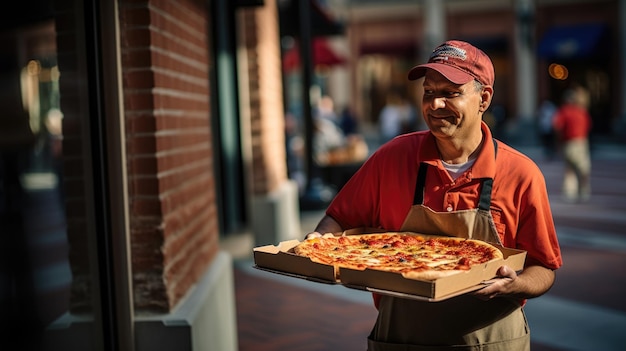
(431, 275)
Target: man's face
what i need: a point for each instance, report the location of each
(451, 110)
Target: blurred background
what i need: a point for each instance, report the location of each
(148, 146)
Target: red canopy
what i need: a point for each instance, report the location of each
(323, 54)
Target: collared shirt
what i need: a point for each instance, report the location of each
(380, 194)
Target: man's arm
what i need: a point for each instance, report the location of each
(326, 225)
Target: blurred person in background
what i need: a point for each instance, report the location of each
(327, 133)
(545, 118)
(294, 146)
(348, 122)
(325, 110)
(397, 116)
(331, 144)
(572, 124)
(455, 179)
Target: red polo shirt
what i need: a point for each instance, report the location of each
(380, 194)
(572, 122)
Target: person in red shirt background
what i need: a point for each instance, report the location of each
(572, 123)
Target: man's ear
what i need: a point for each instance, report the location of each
(485, 98)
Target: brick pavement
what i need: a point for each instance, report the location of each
(274, 316)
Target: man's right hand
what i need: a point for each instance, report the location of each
(312, 235)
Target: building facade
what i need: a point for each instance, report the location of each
(137, 135)
(523, 38)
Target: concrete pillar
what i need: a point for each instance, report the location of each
(434, 27)
(523, 129)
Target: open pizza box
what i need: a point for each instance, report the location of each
(282, 260)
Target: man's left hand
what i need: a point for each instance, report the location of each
(499, 285)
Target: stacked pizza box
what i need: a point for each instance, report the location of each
(281, 259)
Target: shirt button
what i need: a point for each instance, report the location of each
(449, 208)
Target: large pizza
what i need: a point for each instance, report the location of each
(414, 256)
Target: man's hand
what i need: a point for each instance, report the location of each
(501, 285)
(326, 225)
(318, 235)
(532, 282)
(312, 235)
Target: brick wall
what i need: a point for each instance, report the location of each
(165, 55)
(173, 217)
(267, 123)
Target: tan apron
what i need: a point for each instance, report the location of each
(459, 323)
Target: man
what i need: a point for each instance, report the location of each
(572, 124)
(455, 179)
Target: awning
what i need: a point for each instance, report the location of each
(322, 22)
(573, 41)
(400, 48)
(323, 54)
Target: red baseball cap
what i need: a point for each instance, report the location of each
(459, 62)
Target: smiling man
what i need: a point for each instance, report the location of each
(455, 179)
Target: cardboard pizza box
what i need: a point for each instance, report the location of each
(396, 284)
(282, 260)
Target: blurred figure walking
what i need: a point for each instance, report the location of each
(545, 121)
(572, 124)
(397, 116)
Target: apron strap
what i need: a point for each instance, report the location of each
(418, 196)
(485, 192)
(484, 202)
